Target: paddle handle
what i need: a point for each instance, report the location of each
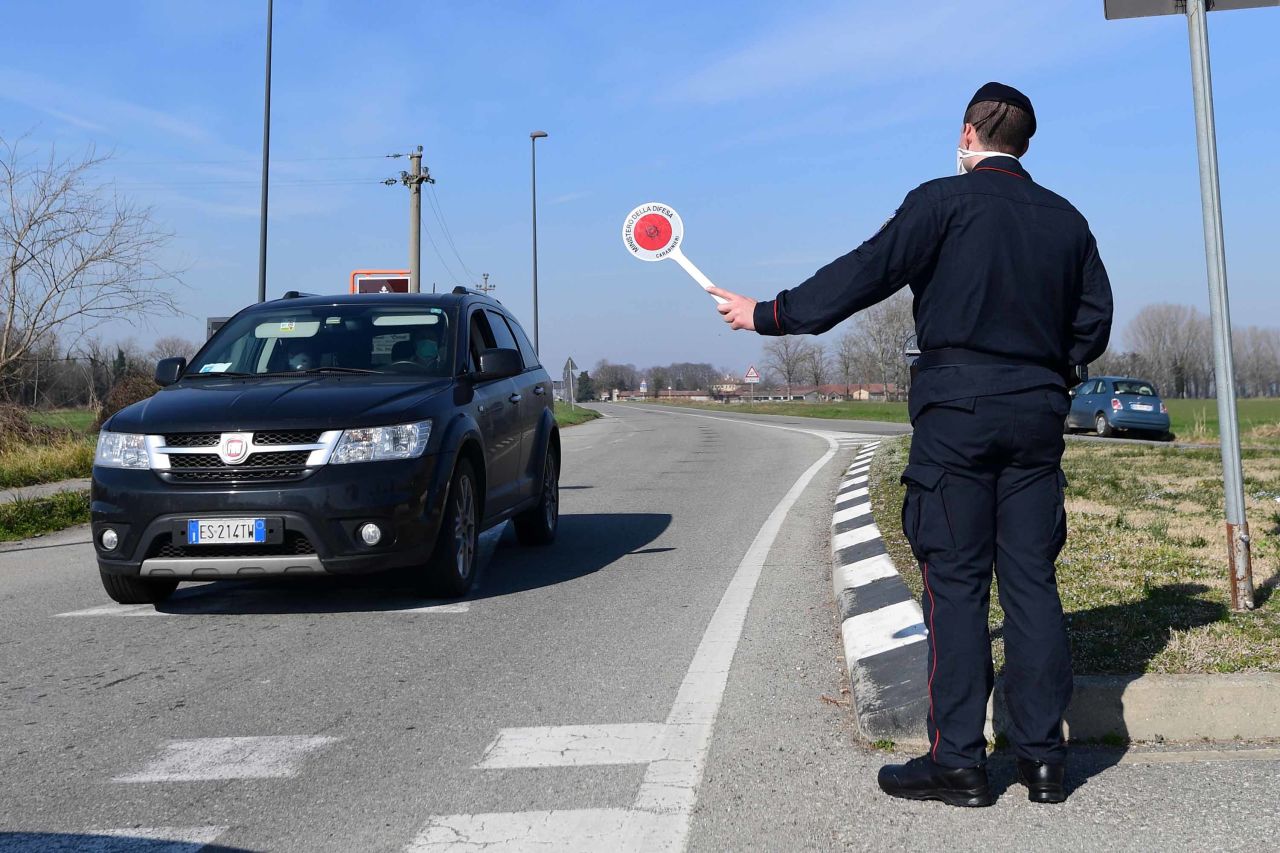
(695, 273)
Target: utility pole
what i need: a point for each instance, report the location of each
(414, 179)
(533, 183)
(266, 158)
(486, 287)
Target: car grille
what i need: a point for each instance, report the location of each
(295, 544)
(287, 436)
(193, 439)
(259, 467)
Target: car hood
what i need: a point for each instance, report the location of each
(321, 402)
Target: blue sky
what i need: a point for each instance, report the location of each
(783, 133)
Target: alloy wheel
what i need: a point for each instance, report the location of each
(551, 492)
(464, 528)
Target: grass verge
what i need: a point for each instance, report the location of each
(1143, 574)
(22, 519)
(76, 420)
(46, 463)
(567, 416)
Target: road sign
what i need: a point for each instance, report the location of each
(1147, 8)
(569, 366)
(644, 386)
(654, 232)
(380, 281)
(753, 375)
(1239, 559)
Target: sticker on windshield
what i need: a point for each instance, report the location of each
(286, 325)
(216, 367)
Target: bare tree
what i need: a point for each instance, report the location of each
(74, 255)
(787, 357)
(608, 376)
(848, 353)
(171, 346)
(1174, 343)
(884, 329)
(817, 364)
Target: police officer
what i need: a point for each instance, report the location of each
(1009, 295)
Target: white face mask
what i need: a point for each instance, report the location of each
(963, 154)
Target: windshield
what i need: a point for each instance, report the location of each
(1133, 386)
(331, 339)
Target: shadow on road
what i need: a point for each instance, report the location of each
(586, 543)
(1133, 633)
(16, 842)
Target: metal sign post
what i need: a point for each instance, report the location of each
(752, 378)
(569, 368)
(1239, 560)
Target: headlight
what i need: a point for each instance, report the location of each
(122, 450)
(375, 444)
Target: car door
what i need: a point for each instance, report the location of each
(497, 411)
(532, 392)
(1081, 414)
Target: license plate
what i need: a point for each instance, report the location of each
(226, 531)
(1142, 407)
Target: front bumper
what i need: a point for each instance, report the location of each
(320, 518)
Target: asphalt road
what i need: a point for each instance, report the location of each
(666, 675)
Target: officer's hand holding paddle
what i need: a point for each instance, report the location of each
(738, 311)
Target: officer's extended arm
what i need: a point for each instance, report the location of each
(1091, 325)
(869, 274)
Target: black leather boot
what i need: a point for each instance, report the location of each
(1043, 781)
(921, 779)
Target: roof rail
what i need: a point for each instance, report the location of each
(296, 294)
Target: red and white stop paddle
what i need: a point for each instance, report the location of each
(654, 232)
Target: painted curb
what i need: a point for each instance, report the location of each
(881, 624)
(883, 633)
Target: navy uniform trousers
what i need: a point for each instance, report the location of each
(985, 491)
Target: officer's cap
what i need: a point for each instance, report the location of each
(1002, 94)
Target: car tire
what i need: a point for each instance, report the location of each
(451, 569)
(538, 525)
(127, 589)
(1102, 426)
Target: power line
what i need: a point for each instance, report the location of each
(233, 162)
(436, 208)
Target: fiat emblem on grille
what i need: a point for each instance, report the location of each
(234, 447)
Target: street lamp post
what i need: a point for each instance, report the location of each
(266, 157)
(533, 165)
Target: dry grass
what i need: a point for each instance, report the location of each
(1143, 576)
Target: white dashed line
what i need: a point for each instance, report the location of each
(573, 746)
(218, 758)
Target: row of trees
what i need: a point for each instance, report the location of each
(1172, 346)
(50, 376)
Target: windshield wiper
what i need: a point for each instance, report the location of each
(337, 370)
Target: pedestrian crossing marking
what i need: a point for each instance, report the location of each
(575, 746)
(221, 758)
(562, 831)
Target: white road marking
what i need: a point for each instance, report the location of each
(568, 831)
(851, 513)
(850, 494)
(865, 571)
(659, 818)
(158, 839)
(881, 630)
(856, 536)
(214, 758)
(117, 610)
(573, 746)
(855, 481)
(446, 607)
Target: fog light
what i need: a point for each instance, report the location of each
(371, 534)
(110, 539)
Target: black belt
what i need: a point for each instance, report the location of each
(956, 356)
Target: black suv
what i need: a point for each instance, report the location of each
(330, 434)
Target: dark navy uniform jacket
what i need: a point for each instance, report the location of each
(997, 264)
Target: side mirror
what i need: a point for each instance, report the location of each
(499, 364)
(168, 370)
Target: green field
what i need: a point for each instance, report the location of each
(1197, 420)
(78, 420)
(567, 416)
(1143, 576)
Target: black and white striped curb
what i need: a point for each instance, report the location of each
(882, 626)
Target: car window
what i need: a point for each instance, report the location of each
(527, 352)
(292, 339)
(1132, 386)
(501, 332)
(480, 338)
